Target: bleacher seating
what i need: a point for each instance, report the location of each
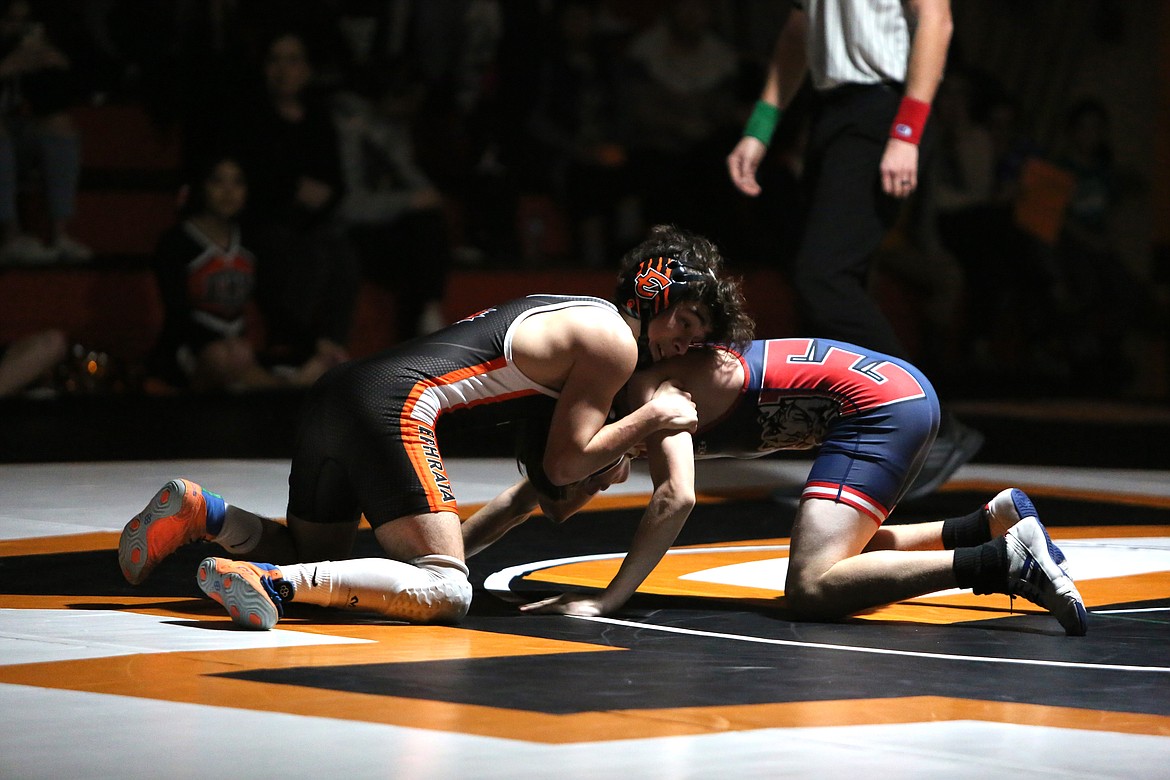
(123, 138)
(126, 199)
(129, 182)
(129, 178)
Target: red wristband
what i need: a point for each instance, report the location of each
(910, 120)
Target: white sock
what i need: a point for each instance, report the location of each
(430, 588)
(241, 531)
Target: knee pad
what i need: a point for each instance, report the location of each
(428, 589)
(445, 595)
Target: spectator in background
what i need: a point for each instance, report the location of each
(476, 101)
(28, 358)
(206, 278)
(393, 212)
(964, 169)
(36, 130)
(124, 49)
(1103, 301)
(970, 200)
(963, 221)
(1013, 146)
(308, 287)
(580, 131)
(681, 98)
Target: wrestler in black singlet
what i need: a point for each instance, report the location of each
(367, 438)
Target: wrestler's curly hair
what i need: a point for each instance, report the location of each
(707, 281)
(531, 441)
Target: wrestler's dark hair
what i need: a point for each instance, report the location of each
(694, 268)
(531, 442)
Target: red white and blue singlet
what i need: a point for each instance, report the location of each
(873, 417)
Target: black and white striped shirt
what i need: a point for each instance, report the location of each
(856, 41)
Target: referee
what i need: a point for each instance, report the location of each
(875, 66)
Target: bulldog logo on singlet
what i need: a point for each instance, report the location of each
(795, 423)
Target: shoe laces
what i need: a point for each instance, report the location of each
(273, 593)
(1025, 584)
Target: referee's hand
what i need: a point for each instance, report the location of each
(743, 162)
(899, 168)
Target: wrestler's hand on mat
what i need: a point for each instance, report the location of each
(566, 604)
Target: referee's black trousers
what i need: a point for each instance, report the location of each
(848, 216)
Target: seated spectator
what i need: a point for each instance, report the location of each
(206, 278)
(393, 212)
(29, 358)
(1013, 146)
(1103, 300)
(36, 130)
(969, 198)
(308, 285)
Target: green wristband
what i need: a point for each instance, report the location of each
(762, 123)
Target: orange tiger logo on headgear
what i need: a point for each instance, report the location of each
(652, 283)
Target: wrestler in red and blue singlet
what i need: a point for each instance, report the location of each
(873, 417)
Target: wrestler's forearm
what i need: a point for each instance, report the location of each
(500, 515)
